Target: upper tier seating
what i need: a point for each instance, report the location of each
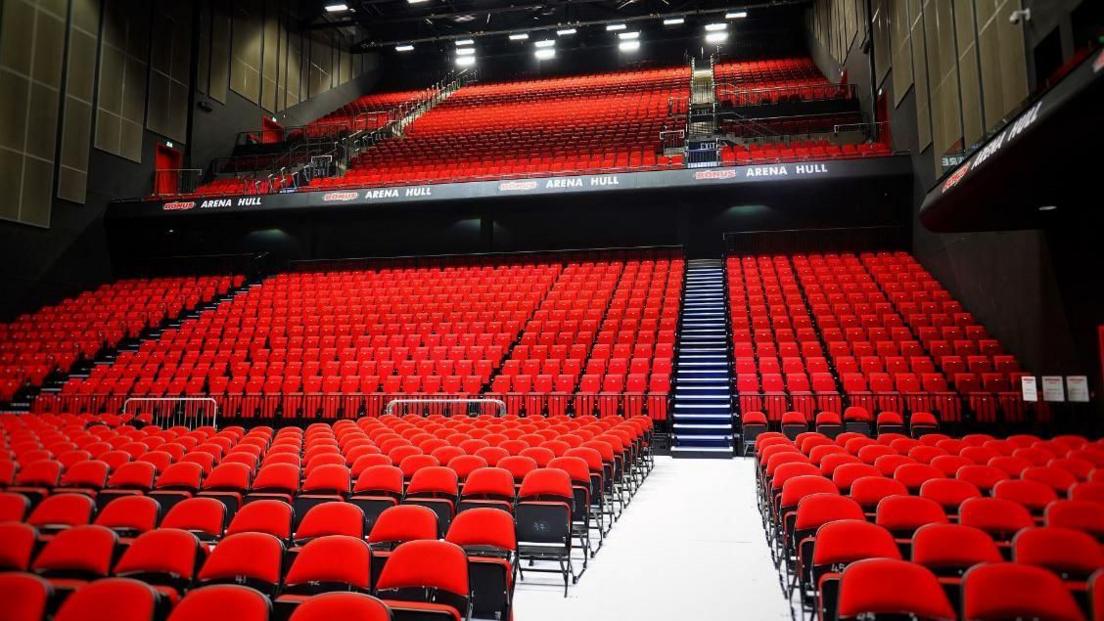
(606, 122)
(343, 343)
(55, 337)
(758, 82)
(825, 332)
(367, 112)
(558, 126)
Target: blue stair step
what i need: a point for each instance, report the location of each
(701, 414)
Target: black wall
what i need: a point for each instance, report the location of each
(41, 266)
(214, 132)
(696, 220)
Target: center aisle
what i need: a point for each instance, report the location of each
(690, 546)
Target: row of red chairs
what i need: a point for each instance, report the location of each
(272, 364)
(610, 466)
(421, 580)
(56, 337)
(584, 123)
(595, 364)
(958, 508)
(875, 357)
(277, 349)
(799, 150)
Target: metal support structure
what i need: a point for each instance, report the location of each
(470, 407)
(165, 412)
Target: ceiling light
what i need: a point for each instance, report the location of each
(465, 61)
(628, 36)
(613, 27)
(519, 37)
(460, 42)
(416, 1)
(1043, 208)
(546, 43)
(545, 54)
(716, 37)
(628, 46)
(565, 32)
(465, 51)
(715, 27)
(404, 48)
(674, 21)
(336, 8)
(736, 15)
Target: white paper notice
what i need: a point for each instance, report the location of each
(1053, 388)
(1077, 387)
(1029, 387)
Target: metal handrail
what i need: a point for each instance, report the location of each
(950, 406)
(877, 126)
(808, 92)
(389, 409)
(176, 411)
(351, 404)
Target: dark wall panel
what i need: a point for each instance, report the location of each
(1037, 291)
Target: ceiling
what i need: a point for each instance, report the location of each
(382, 24)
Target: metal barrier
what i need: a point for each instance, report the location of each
(165, 412)
(431, 406)
(313, 406)
(734, 94)
(952, 408)
(672, 139)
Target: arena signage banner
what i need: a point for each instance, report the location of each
(1009, 143)
(689, 179)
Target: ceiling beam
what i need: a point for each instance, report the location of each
(575, 24)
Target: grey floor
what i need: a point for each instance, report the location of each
(690, 546)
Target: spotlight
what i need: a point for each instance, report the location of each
(336, 8)
(460, 42)
(465, 51)
(1048, 208)
(674, 21)
(736, 15)
(566, 32)
(519, 37)
(716, 37)
(628, 36)
(545, 54)
(404, 48)
(715, 27)
(613, 27)
(545, 43)
(465, 61)
(628, 46)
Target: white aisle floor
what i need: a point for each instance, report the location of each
(689, 546)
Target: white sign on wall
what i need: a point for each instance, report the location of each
(1029, 387)
(1077, 387)
(1053, 388)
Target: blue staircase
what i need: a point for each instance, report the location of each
(702, 411)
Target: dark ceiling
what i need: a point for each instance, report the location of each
(386, 23)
